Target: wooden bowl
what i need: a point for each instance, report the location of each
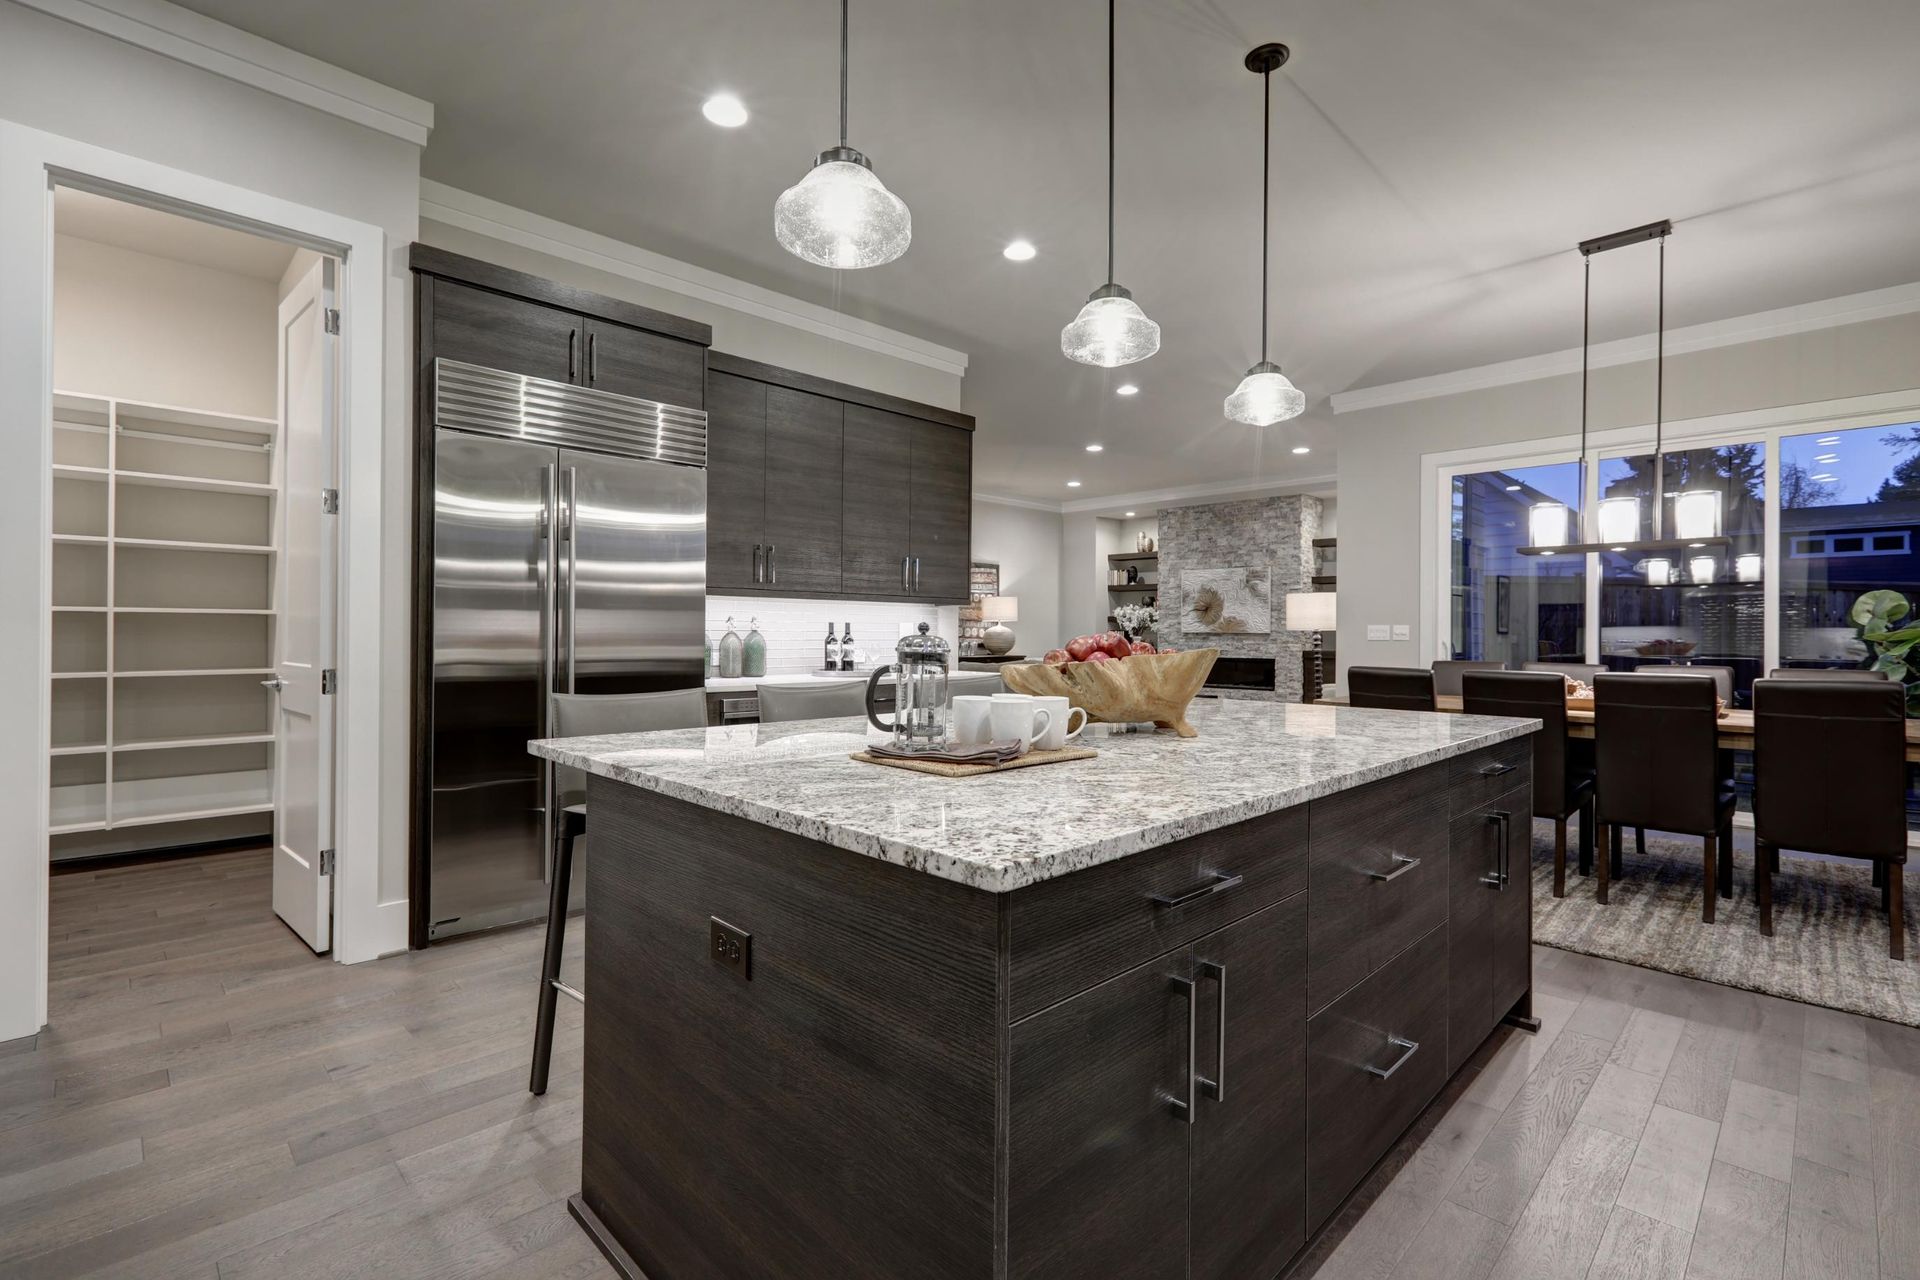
(1147, 686)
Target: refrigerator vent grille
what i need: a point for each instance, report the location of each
(469, 397)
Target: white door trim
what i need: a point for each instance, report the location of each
(366, 927)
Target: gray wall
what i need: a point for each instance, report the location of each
(1274, 532)
(1380, 452)
(1026, 545)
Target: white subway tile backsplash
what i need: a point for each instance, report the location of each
(796, 630)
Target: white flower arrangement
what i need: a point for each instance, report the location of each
(1136, 619)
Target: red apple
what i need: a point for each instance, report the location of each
(1080, 646)
(1141, 646)
(1164, 649)
(1099, 655)
(1057, 658)
(1116, 644)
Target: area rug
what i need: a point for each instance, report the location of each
(1829, 944)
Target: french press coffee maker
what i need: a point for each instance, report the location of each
(919, 693)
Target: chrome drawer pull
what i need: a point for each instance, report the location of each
(1221, 882)
(1185, 1108)
(1407, 1049)
(1495, 770)
(1217, 1087)
(1405, 864)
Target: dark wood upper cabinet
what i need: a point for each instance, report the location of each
(650, 366)
(803, 492)
(941, 510)
(879, 478)
(736, 481)
(477, 326)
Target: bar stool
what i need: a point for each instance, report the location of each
(1657, 749)
(1831, 777)
(1561, 787)
(1447, 674)
(818, 700)
(1390, 688)
(575, 715)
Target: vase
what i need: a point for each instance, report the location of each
(753, 658)
(731, 653)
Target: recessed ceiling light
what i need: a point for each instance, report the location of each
(1019, 251)
(1095, 448)
(1828, 440)
(1126, 389)
(1130, 515)
(1513, 488)
(725, 110)
(1073, 484)
(1827, 457)
(1300, 448)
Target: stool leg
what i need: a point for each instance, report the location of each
(1896, 914)
(1560, 858)
(1710, 883)
(561, 890)
(1586, 837)
(1601, 864)
(1763, 885)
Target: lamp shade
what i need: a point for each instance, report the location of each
(841, 215)
(1310, 610)
(1111, 330)
(1548, 524)
(1000, 608)
(1265, 396)
(1696, 514)
(1619, 519)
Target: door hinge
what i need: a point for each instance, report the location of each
(333, 320)
(330, 501)
(329, 680)
(326, 862)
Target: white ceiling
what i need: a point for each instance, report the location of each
(1435, 163)
(167, 235)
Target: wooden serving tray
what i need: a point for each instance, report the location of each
(945, 769)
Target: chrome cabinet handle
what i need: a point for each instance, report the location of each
(1496, 769)
(757, 571)
(1503, 858)
(1405, 864)
(1217, 1087)
(1407, 1049)
(773, 570)
(573, 336)
(1221, 882)
(276, 684)
(593, 358)
(916, 575)
(904, 562)
(1184, 1107)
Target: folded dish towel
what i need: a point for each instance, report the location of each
(954, 753)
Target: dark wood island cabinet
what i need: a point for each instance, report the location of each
(977, 1031)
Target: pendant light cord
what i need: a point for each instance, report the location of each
(1109, 140)
(843, 72)
(1586, 331)
(1659, 396)
(1266, 189)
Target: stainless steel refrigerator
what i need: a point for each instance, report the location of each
(569, 555)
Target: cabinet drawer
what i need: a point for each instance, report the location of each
(1375, 1058)
(1065, 935)
(1378, 877)
(1484, 775)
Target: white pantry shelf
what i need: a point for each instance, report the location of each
(192, 740)
(174, 544)
(202, 484)
(182, 673)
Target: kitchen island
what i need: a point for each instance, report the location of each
(1152, 1014)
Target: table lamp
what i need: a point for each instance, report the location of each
(998, 610)
(1312, 611)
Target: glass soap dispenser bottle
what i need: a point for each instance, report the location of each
(754, 657)
(731, 652)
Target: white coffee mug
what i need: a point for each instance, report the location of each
(970, 719)
(1015, 717)
(1060, 728)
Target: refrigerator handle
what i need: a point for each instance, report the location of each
(549, 534)
(571, 536)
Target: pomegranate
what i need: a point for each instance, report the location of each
(1141, 646)
(1081, 646)
(1116, 644)
(1057, 658)
(1100, 655)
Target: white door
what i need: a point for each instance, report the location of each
(303, 614)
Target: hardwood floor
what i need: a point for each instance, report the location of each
(213, 1101)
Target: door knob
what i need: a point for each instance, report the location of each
(276, 684)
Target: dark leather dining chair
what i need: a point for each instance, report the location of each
(1390, 688)
(1656, 745)
(1722, 676)
(1447, 674)
(1824, 673)
(1831, 777)
(1561, 787)
(579, 715)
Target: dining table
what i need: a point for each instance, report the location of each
(1736, 724)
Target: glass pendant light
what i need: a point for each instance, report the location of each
(1548, 524)
(1111, 330)
(1659, 571)
(841, 215)
(1747, 568)
(1265, 396)
(1619, 519)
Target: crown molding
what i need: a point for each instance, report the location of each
(478, 214)
(199, 41)
(1809, 317)
(1180, 496)
(1026, 504)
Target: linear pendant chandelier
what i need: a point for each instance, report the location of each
(1265, 396)
(841, 215)
(1696, 515)
(1111, 330)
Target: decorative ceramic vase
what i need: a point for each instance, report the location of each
(730, 653)
(753, 659)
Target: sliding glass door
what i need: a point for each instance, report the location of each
(1505, 605)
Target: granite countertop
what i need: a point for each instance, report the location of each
(747, 684)
(1000, 832)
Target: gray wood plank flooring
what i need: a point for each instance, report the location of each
(211, 1101)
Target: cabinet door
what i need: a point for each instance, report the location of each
(941, 510)
(499, 332)
(1097, 1175)
(1510, 934)
(1473, 860)
(651, 366)
(1249, 1180)
(803, 492)
(879, 476)
(736, 481)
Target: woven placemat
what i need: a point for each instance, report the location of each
(945, 769)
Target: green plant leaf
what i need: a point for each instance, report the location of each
(1882, 607)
